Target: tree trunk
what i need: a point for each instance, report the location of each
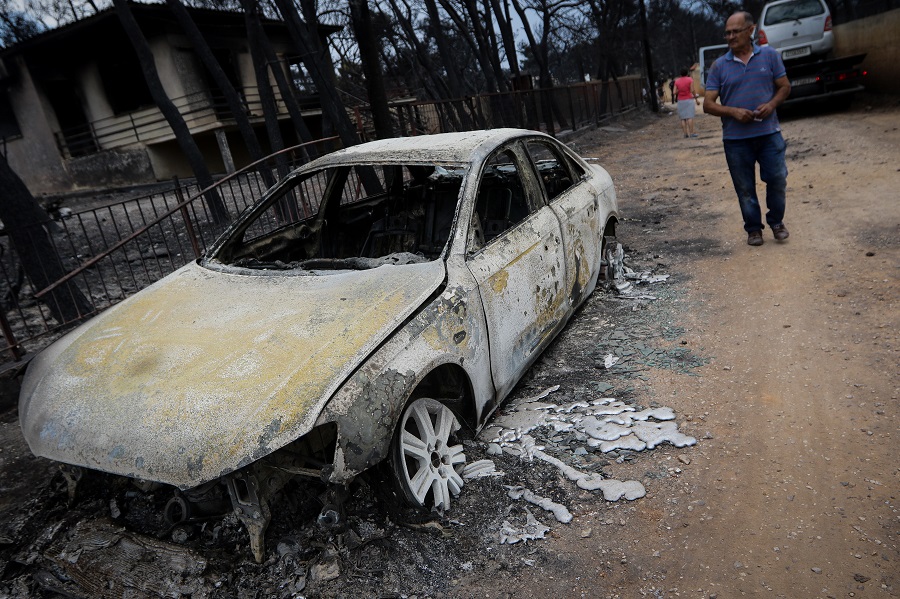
(25, 222)
(648, 60)
(305, 37)
(435, 86)
(507, 35)
(487, 49)
(232, 99)
(182, 133)
(549, 106)
(462, 29)
(361, 21)
(451, 83)
(434, 18)
(264, 88)
(288, 97)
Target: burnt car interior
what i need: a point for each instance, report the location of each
(501, 202)
(556, 173)
(349, 218)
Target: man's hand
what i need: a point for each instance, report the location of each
(742, 114)
(764, 110)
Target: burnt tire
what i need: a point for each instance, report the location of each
(426, 461)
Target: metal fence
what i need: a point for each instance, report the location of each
(551, 110)
(113, 250)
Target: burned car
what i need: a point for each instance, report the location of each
(369, 306)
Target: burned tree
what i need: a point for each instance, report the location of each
(26, 223)
(214, 203)
(232, 99)
(361, 21)
(305, 36)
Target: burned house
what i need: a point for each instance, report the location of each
(76, 113)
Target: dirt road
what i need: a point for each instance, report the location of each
(794, 487)
(781, 361)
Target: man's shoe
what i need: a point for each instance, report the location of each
(754, 238)
(780, 232)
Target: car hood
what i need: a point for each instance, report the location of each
(207, 371)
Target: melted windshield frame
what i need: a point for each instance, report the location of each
(346, 217)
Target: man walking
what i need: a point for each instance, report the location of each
(751, 83)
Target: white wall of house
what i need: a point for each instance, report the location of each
(35, 159)
(133, 147)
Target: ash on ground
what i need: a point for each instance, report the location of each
(551, 452)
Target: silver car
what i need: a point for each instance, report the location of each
(798, 29)
(368, 307)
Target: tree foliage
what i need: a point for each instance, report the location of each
(16, 25)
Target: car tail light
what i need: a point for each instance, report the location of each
(763, 40)
(828, 23)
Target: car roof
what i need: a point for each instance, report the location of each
(458, 148)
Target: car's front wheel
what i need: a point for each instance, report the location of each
(425, 459)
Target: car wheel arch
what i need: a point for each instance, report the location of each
(366, 431)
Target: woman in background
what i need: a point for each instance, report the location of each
(684, 89)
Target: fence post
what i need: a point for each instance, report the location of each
(10, 337)
(401, 121)
(571, 108)
(187, 218)
(360, 129)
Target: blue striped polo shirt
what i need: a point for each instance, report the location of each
(747, 86)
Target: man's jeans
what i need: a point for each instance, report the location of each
(742, 156)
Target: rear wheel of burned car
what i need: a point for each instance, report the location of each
(426, 460)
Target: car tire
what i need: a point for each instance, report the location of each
(425, 461)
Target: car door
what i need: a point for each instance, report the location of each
(517, 259)
(574, 201)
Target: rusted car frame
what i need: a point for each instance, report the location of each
(367, 308)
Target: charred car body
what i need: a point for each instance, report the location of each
(367, 307)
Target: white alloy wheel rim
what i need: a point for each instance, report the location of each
(429, 462)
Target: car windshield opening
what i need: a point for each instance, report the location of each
(348, 218)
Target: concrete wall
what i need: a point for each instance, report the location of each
(34, 156)
(111, 168)
(879, 37)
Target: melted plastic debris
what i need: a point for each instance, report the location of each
(629, 291)
(480, 469)
(646, 276)
(609, 425)
(613, 490)
(606, 423)
(531, 530)
(559, 511)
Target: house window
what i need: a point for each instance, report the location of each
(123, 82)
(9, 126)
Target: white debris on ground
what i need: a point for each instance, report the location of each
(607, 425)
(480, 469)
(627, 290)
(559, 511)
(603, 424)
(531, 530)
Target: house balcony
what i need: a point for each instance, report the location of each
(147, 126)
